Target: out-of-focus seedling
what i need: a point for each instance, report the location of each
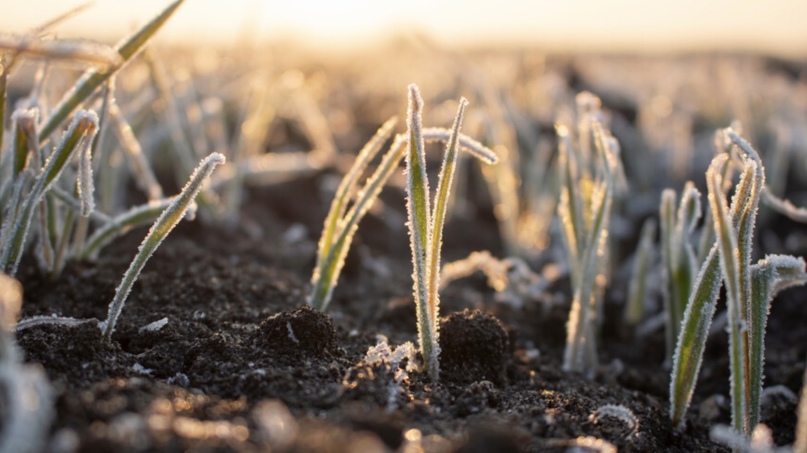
(589, 167)
(637, 288)
(27, 409)
(679, 262)
(170, 217)
(16, 224)
(750, 290)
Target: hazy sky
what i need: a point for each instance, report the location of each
(777, 26)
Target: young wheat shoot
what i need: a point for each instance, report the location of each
(750, 290)
(337, 240)
(162, 226)
(426, 226)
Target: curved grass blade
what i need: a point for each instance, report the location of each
(699, 313)
(93, 78)
(122, 223)
(339, 205)
(335, 260)
(164, 224)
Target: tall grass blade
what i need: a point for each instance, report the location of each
(730, 264)
(25, 143)
(438, 218)
(418, 210)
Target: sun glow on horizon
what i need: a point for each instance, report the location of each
(582, 25)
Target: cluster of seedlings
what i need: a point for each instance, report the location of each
(52, 208)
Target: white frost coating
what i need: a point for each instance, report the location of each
(154, 326)
(43, 320)
(292, 337)
(140, 369)
(620, 412)
(777, 390)
(382, 353)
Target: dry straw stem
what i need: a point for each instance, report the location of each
(60, 49)
(80, 134)
(164, 224)
(94, 78)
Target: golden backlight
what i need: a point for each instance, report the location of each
(587, 25)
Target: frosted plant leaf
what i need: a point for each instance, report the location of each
(162, 226)
(619, 412)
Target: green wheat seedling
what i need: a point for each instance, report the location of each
(679, 261)
(588, 182)
(333, 247)
(342, 222)
(16, 226)
(169, 218)
(750, 290)
(426, 226)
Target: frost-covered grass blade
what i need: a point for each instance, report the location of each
(169, 218)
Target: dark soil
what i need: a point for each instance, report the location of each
(243, 365)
